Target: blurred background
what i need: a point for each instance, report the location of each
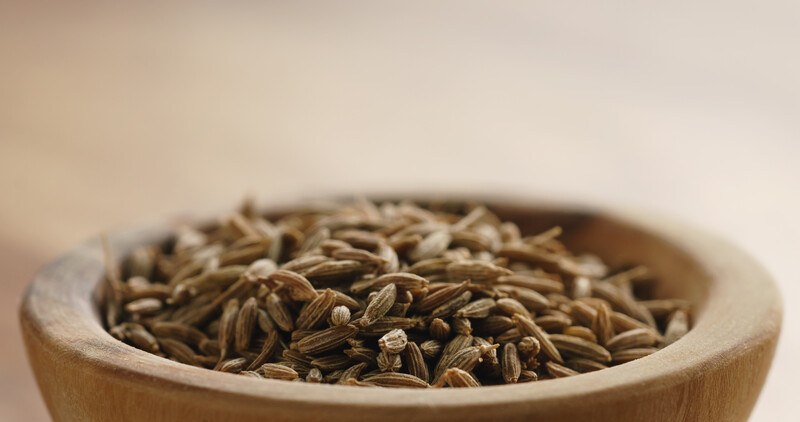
(115, 114)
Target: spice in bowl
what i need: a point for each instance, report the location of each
(389, 295)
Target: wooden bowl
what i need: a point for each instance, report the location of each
(714, 373)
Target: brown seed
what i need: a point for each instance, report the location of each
(314, 376)
(529, 328)
(332, 362)
(279, 313)
(279, 372)
(326, 340)
(477, 309)
(268, 349)
(315, 313)
(538, 284)
(559, 371)
(462, 325)
(178, 351)
(579, 347)
(415, 361)
(582, 332)
(380, 305)
(477, 271)
(431, 348)
(585, 365)
(493, 325)
(529, 347)
(602, 325)
(677, 327)
(527, 375)
(439, 329)
(227, 327)
(430, 247)
(233, 366)
(553, 323)
(362, 354)
(457, 378)
(530, 299)
(352, 372)
(300, 288)
(450, 307)
(340, 315)
(441, 296)
(389, 362)
(627, 355)
(245, 322)
(145, 306)
(511, 364)
(396, 380)
(636, 338)
(178, 331)
(394, 341)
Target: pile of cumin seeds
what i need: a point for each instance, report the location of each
(389, 295)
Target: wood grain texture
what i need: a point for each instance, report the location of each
(712, 374)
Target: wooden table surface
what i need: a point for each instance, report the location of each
(116, 115)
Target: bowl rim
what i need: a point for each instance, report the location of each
(60, 312)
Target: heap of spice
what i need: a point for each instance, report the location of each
(390, 295)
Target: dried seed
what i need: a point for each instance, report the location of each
(582, 332)
(178, 331)
(315, 313)
(279, 313)
(430, 247)
(178, 351)
(340, 315)
(585, 365)
(352, 372)
(677, 327)
(279, 372)
(380, 305)
(439, 329)
(299, 286)
(389, 362)
(579, 347)
(477, 271)
(529, 328)
(431, 348)
(462, 325)
(457, 378)
(396, 380)
(636, 338)
(415, 361)
(268, 350)
(527, 375)
(493, 325)
(559, 371)
(538, 284)
(450, 307)
(441, 296)
(227, 327)
(145, 306)
(233, 366)
(511, 364)
(245, 322)
(627, 355)
(314, 376)
(477, 309)
(326, 340)
(332, 362)
(602, 325)
(529, 346)
(393, 342)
